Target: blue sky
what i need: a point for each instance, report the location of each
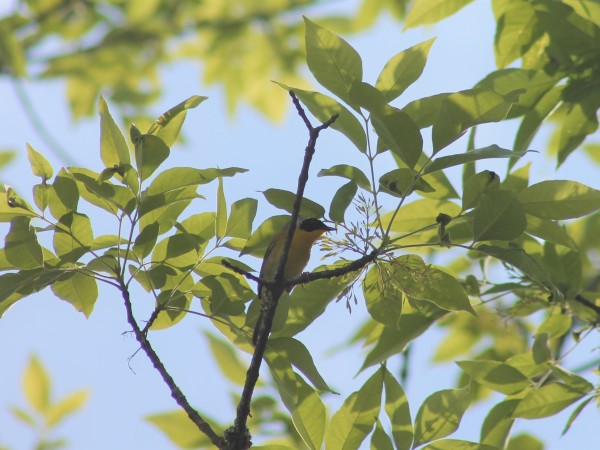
(93, 353)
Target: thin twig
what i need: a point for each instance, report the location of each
(176, 393)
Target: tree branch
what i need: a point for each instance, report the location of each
(158, 365)
(238, 437)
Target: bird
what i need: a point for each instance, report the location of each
(308, 231)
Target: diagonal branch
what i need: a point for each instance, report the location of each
(176, 393)
(238, 436)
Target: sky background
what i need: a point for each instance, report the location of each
(93, 353)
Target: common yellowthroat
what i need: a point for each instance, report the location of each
(308, 231)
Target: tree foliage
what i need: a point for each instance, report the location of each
(401, 217)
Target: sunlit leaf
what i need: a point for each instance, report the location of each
(285, 200)
(21, 246)
(113, 147)
(349, 172)
(495, 375)
(547, 401)
(180, 429)
(66, 406)
(425, 12)
(241, 217)
(80, 290)
(341, 201)
(398, 411)
(40, 166)
(498, 216)
(559, 199)
(36, 385)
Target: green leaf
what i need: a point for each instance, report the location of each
(14, 59)
(239, 223)
(180, 429)
(557, 324)
(440, 414)
(572, 380)
(21, 246)
(309, 302)
(351, 424)
(456, 444)
(150, 152)
(299, 357)
(285, 200)
(399, 133)
(284, 378)
(392, 341)
(559, 199)
(420, 214)
(65, 407)
(221, 218)
(499, 216)
(575, 414)
(495, 375)
(73, 236)
(78, 289)
(382, 296)
(462, 110)
(423, 111)
(178, 303)
(401, 183)
(425, 12)
(331, 60)
(41, 195)
(523, 441)
(380, 440)
(522, 261)
(145, 241)
(178, 177)
(227, 359)
(350, 172)
(518, 29)
(492, 151)
(105, 195)
(63, 198)
(498, 423)
(168, 125)
(402, 70)
(540, 350)
(260, 239)
(477, 185)
(547, 401)
(113, 147)
(180, 250)
(36, 385)
(549, 231)
(422, 281)
(324, 108)
(397, 409)
(309, 415)
(40, 166)
(165, 208)
(341, 201)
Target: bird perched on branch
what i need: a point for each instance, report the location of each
(308, 231)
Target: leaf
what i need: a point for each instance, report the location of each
(382, 296)
(401, 183)
(392, 341)
(440, 414)
(36, 385)
(145, 241)
(498, 423)
(379, 439)
(559, 199)
(547, 401)
(523, 441)
(299, 357)
(40, 166)
(227, 359)
(423, 111)
(549, 231)
(178, 177)
(492, 151)
(461, 110)
(178, 303)
(324, 108)
(78, 289)
(221, 218)
(495, 375)
(168, 125)
(477, 185)
(420, 214)
(73, 236)
(421, 281)
(331, 60)
(341, 201)
(63, 198)
(350, 172)
(575, 414)
(65, 407)
(180, 429)
(397, 410)
(456, 444)
(309, 415)
(517, 30)
(239, 223)
(284, 378)
(260, 239)
(425, 12)
(499, 216)
(351, 424)
(21, 246)
(285, 200)
(150, 153)
(402, 70)
(113, 147)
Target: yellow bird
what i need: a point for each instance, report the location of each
(308, 231)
